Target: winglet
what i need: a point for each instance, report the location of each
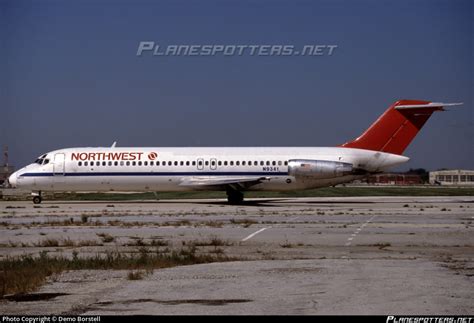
(113, 145)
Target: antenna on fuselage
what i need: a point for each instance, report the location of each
(113, 145)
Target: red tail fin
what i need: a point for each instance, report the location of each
(393, 131)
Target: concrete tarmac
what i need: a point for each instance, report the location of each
(367, 255)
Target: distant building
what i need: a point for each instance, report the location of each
(395, 179)
(452, 177)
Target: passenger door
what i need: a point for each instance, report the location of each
(213, 164)
(200, 164)
(58, 166)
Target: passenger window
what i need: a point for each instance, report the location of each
(181, 163)
(286, 163)
(79, 163)
(128, 163)
(200, 163)
(110, 163)
(187, 163)
(279, 163)
(268, 163)
(237, 163)
(152, 163)
(231, 163)
(274, 163)
(104, 163)
(225, 163)
(85, 163)
(115, 163)
(219, 163)
(145, 163)
(121, 163)
(262, 163)
(176, 163)
(213, 163)
(157, 163)
(170, 163)
(139, 163)
(134, 163)
(206, 163)
(255, 163)
(243, 163)
(194, 163)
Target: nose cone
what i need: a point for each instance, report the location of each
(12, 179)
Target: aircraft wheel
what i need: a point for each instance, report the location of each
(235, 197)
(37, 199)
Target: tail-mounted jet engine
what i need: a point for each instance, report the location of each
(318, 169)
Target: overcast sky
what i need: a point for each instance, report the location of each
(70, 76)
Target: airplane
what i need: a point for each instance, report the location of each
(230, 169)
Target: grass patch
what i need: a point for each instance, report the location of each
(286, 244)
(48, 243)
(212, 224)
(212, 242)
(159, 243)
(244, 222)
(135, 275)
(383, 245)
(26, 273)
(105, 237)
(64, 243)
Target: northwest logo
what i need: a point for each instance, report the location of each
(152, 156)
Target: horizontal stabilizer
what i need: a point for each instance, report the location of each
(429, 105)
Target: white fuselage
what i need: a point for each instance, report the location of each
(166, 169)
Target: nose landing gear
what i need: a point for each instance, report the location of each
(37, 197)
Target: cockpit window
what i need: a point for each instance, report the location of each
(41, 160)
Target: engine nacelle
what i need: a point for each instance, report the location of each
(318, 169)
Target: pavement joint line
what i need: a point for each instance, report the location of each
(255, 233)
(353, 235)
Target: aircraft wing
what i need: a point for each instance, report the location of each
(207, 182)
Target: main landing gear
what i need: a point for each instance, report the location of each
(37, 197)
(235, 197)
